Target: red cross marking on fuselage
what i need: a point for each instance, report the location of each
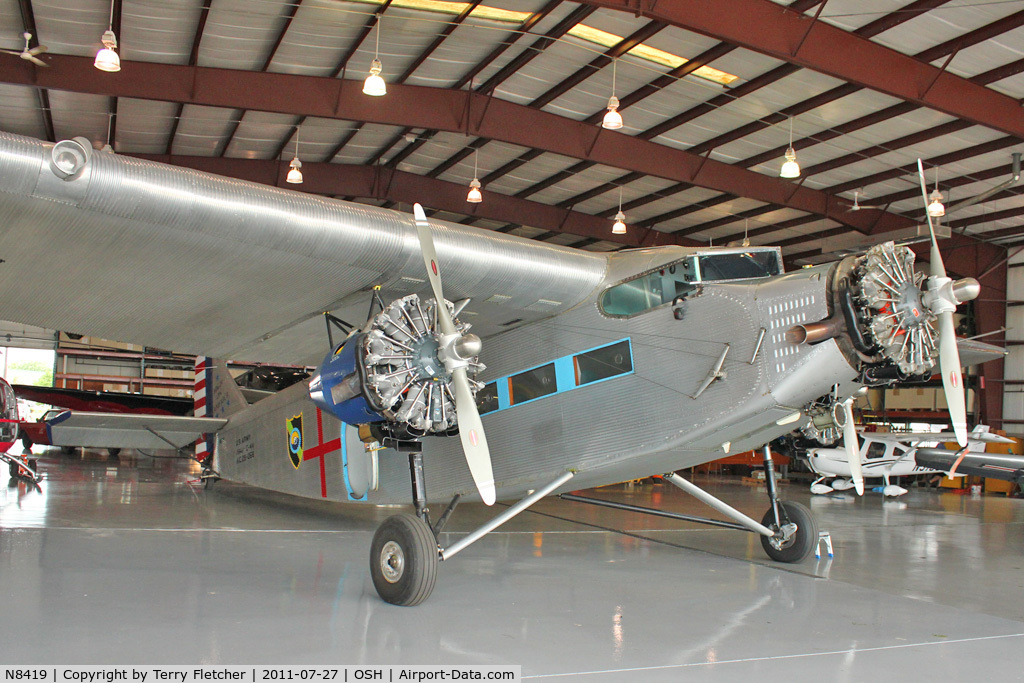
(321, 450)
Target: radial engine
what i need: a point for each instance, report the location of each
(393, 371)
(885, 314)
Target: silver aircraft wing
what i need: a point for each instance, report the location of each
(128, 430)
(121, 248)
(974, 352)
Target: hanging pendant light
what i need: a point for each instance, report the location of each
(790, 169)
(374, 85)
(936, 209)
(474, 196)
(106, 58)
(619, 226)
(295, 173)
(612, 118)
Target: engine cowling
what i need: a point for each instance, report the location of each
(390, 372)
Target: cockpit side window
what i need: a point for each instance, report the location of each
(650, 290)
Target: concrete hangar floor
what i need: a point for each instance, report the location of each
(123, 561)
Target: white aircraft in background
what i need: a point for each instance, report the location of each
(886, 455)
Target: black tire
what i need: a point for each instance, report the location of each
(13, 468)
(67, 450)
(26, 443)
(800, 543)
(403, 560)
(34, 464)
(113, 452)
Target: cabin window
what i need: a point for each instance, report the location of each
(876, 450)
(487, 398)
(532, 384)
(602, 363)
(650, 290)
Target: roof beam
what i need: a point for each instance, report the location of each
(772, 29)
(289, 14)
(432, 108)
(874, 28)
(663, 81)
(398, 186)
(28, 22)
(509, 40)
(522, 59)
(193, 59)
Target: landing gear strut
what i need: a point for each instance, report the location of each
(405, 551)
(788, 532)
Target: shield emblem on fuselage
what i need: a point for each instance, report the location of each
(293, 426)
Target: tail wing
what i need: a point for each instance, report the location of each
(215, 395)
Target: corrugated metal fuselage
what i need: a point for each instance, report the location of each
(633, 425)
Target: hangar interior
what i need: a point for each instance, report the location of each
(501, 116)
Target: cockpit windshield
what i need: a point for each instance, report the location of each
(659, 287)
(738, 266)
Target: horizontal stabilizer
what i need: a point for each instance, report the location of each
(109, 430)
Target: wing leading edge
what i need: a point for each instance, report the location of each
(135, 250)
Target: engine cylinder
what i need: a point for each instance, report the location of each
(391, 371)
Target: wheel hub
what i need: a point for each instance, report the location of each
(392, 562)
(783, 537)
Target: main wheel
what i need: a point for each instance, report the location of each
(801, 543)
(403, 560)
(113, 452)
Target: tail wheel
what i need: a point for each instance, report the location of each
(800, 544)
(403, 560)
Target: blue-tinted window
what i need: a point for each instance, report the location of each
(598, 364)
(532, 384)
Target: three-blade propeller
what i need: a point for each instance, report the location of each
(471, 430)
(941, 300)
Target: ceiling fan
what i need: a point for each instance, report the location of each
(29, 54)
(856, 206)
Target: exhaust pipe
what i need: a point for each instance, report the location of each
(812, 333)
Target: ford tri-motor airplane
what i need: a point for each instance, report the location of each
(887, 455)
(599, 367)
